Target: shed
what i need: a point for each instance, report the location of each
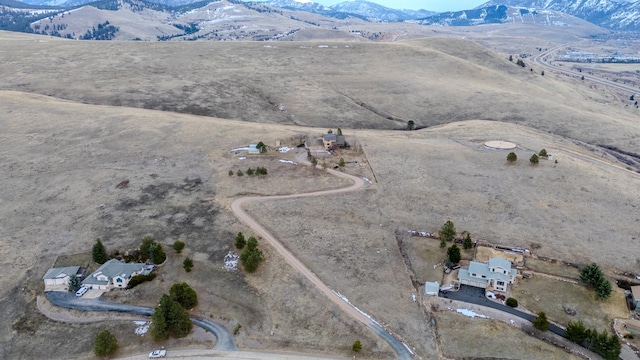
(431, 288)
(253, 149)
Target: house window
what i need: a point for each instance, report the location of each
(119, 280)
(474, 275)
(500, 283)
(484, 276)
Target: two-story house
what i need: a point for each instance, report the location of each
(496, 275)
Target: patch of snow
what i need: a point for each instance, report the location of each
(469, 313)
(287, 162)
(231, 261)
(142, 328)
(240, 149)
(367, 180)
(323, 46)
(285, 149)
(242, 158)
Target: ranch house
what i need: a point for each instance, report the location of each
(113, 274)
(496, 275)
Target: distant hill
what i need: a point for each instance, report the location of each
(615, 15)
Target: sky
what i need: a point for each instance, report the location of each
(433, 5)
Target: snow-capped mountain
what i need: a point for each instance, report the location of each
(484, 15)
(611, 14)
(358, 8)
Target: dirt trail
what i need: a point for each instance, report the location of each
(358, 183)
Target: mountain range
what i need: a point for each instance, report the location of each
(609, 14)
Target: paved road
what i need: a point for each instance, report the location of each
(542, 58)
(197, 354)
(68, 300)
(476, 296)
(236, 206)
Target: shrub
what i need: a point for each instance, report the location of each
(184, 295)
(187, 264)
(512, 157)
(178, 246)
(139, 279)
(512, 302)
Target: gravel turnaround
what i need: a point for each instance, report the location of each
(70, 301)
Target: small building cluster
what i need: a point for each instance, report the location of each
(325, 144)
(112, 274)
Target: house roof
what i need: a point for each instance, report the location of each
(500, 262)
(431, 287)
(330, 137)
(464, 274)
(114, 267)
(94, 281)
(58, 273)
(483, 269)
(635, 292)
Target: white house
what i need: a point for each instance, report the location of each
(495, 275)
(113, 273)
(59, 276)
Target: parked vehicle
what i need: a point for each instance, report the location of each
(81, 291)
(155, 354)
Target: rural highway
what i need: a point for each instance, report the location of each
(541, 59)
(68, 300)
(402, 350)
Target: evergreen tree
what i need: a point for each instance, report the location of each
(184, 295)
(106, 344)
(230, 172)
(157, 254)
(341, 163)
(591, 274)
(603, 289)
(534, 160)
(145, 252)
(159, 328)
(512, 157)
(411, 125)
(448, 231)
(178, 246)
(454, 254)
(540, 322)
(187, 264)
(99, 253)
(240, 241)
(74, 283)
(467, 243)
(576, 332)
(251, 256)
(340, 130)
(357, 346)
(543, 153)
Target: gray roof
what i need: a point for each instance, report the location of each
(330, 137)
(57, 273)
(431, 287)
(94, 281)
(114, 267)
(480, 269)
(463, 274)
(500, 262)
(635, 292)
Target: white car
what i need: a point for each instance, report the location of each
(155, 354)
(81, 291)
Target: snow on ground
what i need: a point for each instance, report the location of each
(242, 158)
(367, 180)
(231, 261)
(240, 149)
(469, 313)
(143, 327)
(285, 149)
(287, 162)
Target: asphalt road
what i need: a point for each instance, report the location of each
(476, 296)
(68, 300)
(542, 58)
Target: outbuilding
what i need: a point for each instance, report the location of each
(431, 288)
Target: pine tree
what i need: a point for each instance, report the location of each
(448, 231)
(106, 344)
(99, 253)
(240, 241)
(467, 243)
(454, 254)
(540, 322)
(512, 157)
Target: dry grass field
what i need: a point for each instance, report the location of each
(60, 162)
(352, 85)
(543, 294)
(461, 336)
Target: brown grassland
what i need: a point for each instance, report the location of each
(62, 155)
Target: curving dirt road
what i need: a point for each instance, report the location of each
(236, 206)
